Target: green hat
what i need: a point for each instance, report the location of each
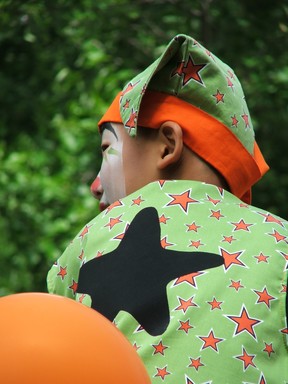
(188, 77)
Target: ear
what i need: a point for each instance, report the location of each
(171, 144)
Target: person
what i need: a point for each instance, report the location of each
(190, 272)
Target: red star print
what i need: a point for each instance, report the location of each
(117, 203)
(130, 123)
(113, 221)
(189, 279)
(137, 201)
(163, 219)
(230, 74)
(215, 304)
(80, 257)
(74, 287)
(261, 258)
(144, 88)
(84, 231)
(245, 117)
(213, 201)
(188, 380)
(159, 348)
(208, 53)
(285, 331)
(216, 214)
(81, 298)
(185, 304)
(195, 244)
(161, 183)
(278, 237)
(193, 227)
(128, 88)
(285, 255)
(247, 359)
(228, 239)
(231, 258)
(139, 329)
(271, 219)
(136, 347)
(262, 380)
(229, 83)
(241, 226)
(122, 234)
(221, 191)
(162, 372)
(185, 326)
(210, 341)
(62, 273)
(234, 121)
(244, 322)
(196, 363)
(268, 348)
(190, 70)
(126, 105)
(236, 284)
(165, 243)
(264, 297)
(183, 200)
(219, 97)
(284, 288)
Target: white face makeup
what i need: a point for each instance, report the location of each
(111, 172)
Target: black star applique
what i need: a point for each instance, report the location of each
(134, 276)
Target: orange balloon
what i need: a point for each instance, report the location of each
(49, 339)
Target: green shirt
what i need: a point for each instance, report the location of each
(227, 324)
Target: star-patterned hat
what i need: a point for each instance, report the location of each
(190, 85)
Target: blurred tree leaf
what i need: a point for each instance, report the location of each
(61, 65)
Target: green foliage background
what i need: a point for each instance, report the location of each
(62, 62)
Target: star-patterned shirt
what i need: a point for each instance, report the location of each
(227, 324)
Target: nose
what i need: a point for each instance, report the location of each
(96, 188)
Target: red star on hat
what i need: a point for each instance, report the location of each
(190, 70)
(219, 97)
(234, 121)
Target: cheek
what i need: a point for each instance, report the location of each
(112, 175)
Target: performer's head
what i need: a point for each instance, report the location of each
(183, 117)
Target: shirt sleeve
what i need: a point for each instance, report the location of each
(62, 279)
